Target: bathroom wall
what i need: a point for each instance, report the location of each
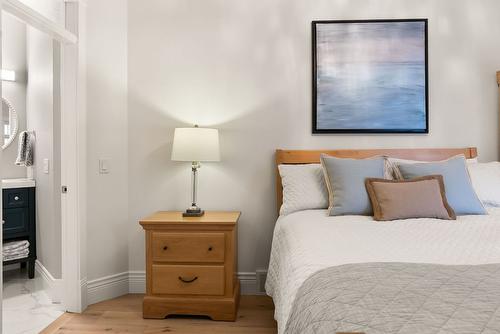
(43, 117)
(14, 58)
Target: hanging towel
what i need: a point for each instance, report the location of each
(25, 149)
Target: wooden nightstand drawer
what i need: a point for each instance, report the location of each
(188, 280)
(188, 247)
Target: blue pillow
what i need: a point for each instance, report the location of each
(345, 180)
(457, 184)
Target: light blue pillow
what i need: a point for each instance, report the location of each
(457, 184)
(345, 179)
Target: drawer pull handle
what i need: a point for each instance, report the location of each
(210, 248)
(16, 198)
(188, 280)
(165, 248)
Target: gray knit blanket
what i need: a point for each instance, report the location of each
(402, 298)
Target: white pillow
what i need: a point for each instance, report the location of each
(486, 181)
(472, 161)
(304, 188)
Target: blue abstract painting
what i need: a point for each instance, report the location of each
(370, 76)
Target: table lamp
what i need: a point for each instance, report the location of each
(195, 145)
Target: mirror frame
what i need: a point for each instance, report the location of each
(15, 128)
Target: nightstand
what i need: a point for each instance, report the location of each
(191, 265)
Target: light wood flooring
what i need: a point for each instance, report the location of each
(124, 315)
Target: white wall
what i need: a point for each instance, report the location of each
(14, 58)
(245, 67)
(43, 118)
(107, 201)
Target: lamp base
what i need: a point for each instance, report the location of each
(193, 213)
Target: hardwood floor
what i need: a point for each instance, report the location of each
(124, 315)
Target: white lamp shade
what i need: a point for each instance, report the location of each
(196, 144)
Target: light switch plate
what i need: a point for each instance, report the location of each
(46, 166)
(103, 166)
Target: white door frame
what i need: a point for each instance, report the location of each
(1, 173)
(73, 160)
(73, 140)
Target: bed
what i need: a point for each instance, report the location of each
(351, 274)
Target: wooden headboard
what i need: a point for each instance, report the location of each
(296, 157)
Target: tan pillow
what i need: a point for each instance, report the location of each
(422, 197)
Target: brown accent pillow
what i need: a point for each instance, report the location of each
(421, 197)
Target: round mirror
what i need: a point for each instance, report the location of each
(9, 122)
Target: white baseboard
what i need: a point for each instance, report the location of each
(84, 293)
(107, 287)
(135, 282)
(54, 286)
(248, 284)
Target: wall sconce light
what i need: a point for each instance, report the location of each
(8, 75)
(498, 78)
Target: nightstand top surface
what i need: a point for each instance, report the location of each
(175, 217)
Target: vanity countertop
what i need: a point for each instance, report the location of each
(17, 183)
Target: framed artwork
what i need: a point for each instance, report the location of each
(370, 76)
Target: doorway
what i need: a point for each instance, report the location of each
(57, 130)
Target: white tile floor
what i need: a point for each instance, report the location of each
(27, 308)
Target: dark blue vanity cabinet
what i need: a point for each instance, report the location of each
(19, 222)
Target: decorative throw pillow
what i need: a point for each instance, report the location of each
(422, 197)
(485, 178)
(345, 180)
(392, 165)
(304, 188)
(457, 183)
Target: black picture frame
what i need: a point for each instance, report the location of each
(316, 130)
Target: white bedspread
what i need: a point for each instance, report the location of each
(307, 241)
